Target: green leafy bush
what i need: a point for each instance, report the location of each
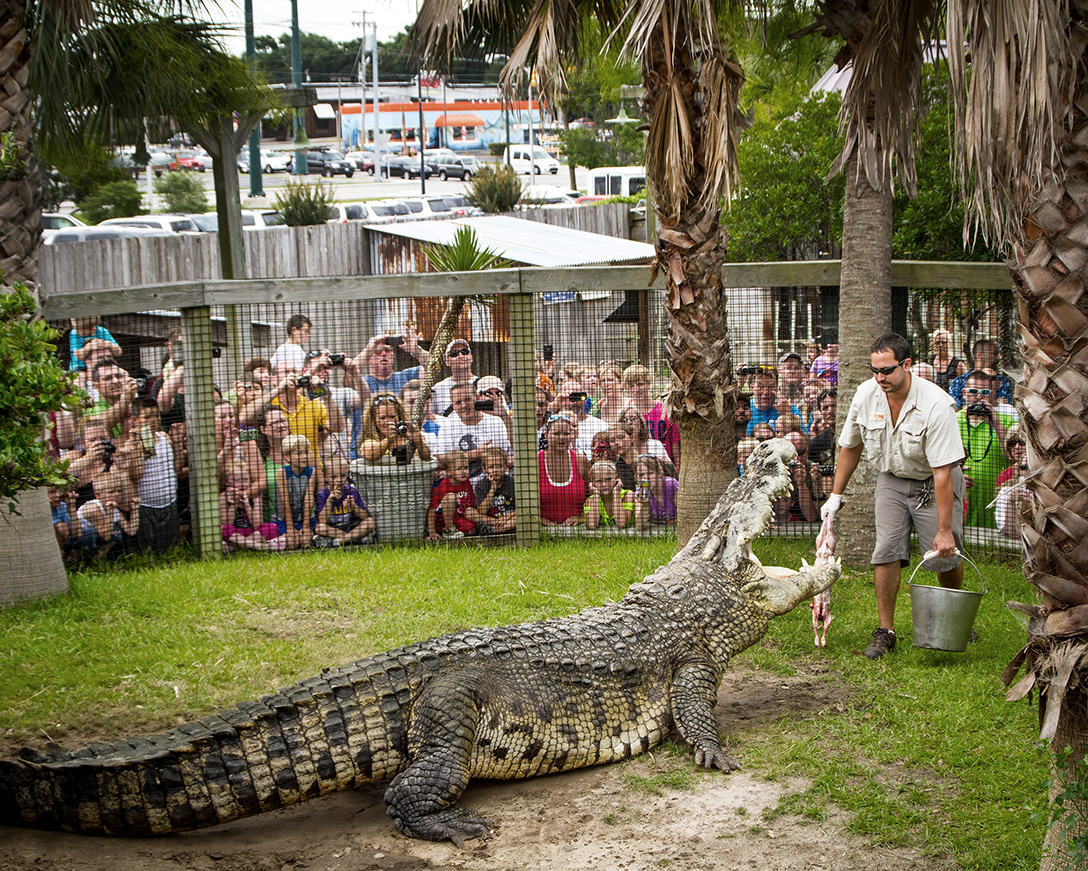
(303, 204)
(496, 148)
(115, 199)
(495, 188)
(12, 157)
(32, 384)
(182, 192)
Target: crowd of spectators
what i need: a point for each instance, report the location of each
(294, 430)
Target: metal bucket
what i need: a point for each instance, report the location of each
(942, 618)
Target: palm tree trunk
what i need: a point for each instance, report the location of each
(864, 314)
(30, 561)
(702, 394)
(1049, 277)
(20, 190)
(442, 338)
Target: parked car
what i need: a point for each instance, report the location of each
(271, 161)
(197, 161)
(252, 219)
(540, 194)
(430, 206)
(341, 213)
(90, 234)
(54, 221)
(390, 211)
(462, 166)
(402, 166)
(329, 163)
(523, 158)
(363, 160)
(461, 205)
(173, 223)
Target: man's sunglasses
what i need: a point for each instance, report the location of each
(977, 391)
(462, 352)
(887, 370)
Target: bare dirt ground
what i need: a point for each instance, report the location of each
(588, 819)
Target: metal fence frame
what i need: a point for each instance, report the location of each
(195, 300)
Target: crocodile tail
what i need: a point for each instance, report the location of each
(316, 737)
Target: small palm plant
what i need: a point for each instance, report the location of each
(464, 255)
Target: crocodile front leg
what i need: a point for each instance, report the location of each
(694, 694)
(441, 732)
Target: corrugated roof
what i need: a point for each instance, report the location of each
(528, 242)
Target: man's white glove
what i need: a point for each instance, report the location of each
(832, 504)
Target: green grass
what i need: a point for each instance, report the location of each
(921, 748)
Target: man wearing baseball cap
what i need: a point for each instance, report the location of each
(459, 359)
(791, 374)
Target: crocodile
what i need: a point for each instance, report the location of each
(516, 701)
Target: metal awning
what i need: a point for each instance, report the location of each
(324, 110)
(528, 243)
(460, 119)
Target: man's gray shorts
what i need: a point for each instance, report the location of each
(898, 507)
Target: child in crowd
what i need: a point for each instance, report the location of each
(495, 493)
(238, 510)
(608, 503)
(341, 517)
(453, 511)
(744, 450)
(62, 519)
(106, 520)
(655, 499)
(295, 484)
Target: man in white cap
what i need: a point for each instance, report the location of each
(459, 359)
(490, 389)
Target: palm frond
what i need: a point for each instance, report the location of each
(464, 255)
(882, 106)
(1014, 104)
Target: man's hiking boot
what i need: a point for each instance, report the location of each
(883, 641)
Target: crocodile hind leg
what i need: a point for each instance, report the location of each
(442, 728)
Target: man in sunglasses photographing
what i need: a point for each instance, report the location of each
(907, 428)
(984, 431)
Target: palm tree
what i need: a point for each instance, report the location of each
(464, 255)
(1021, 121)
(1021, 149)
(61, 91)
(691, 93)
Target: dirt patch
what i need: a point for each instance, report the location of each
(590, 819)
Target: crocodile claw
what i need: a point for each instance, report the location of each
(455, 824)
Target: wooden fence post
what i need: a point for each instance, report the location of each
(523, 394)
(196, 326)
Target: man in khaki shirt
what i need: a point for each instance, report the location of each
(907, 427)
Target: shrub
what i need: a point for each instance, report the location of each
(182, 192)
(303, 204)
(32, 384)
(495, 188)
(497, 148)
(115, 199)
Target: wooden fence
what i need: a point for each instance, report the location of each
(273, 252)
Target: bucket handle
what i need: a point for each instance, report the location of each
(964, 556)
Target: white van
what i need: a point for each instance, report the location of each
(617, 181)
(530, 158)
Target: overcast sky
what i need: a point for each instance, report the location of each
(332, 18)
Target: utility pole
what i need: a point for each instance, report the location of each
(377, 129)
(256, 179)
(298, 165)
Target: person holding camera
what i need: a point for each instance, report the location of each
(906, 427)
(572, 400)
(307, 402)
(388, 433)
(116, 390)
(373, 368)
(472, 428)
(984, 431)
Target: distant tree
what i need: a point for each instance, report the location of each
(115, 199)
(182, 192)
(786, 209)
(322, 59)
